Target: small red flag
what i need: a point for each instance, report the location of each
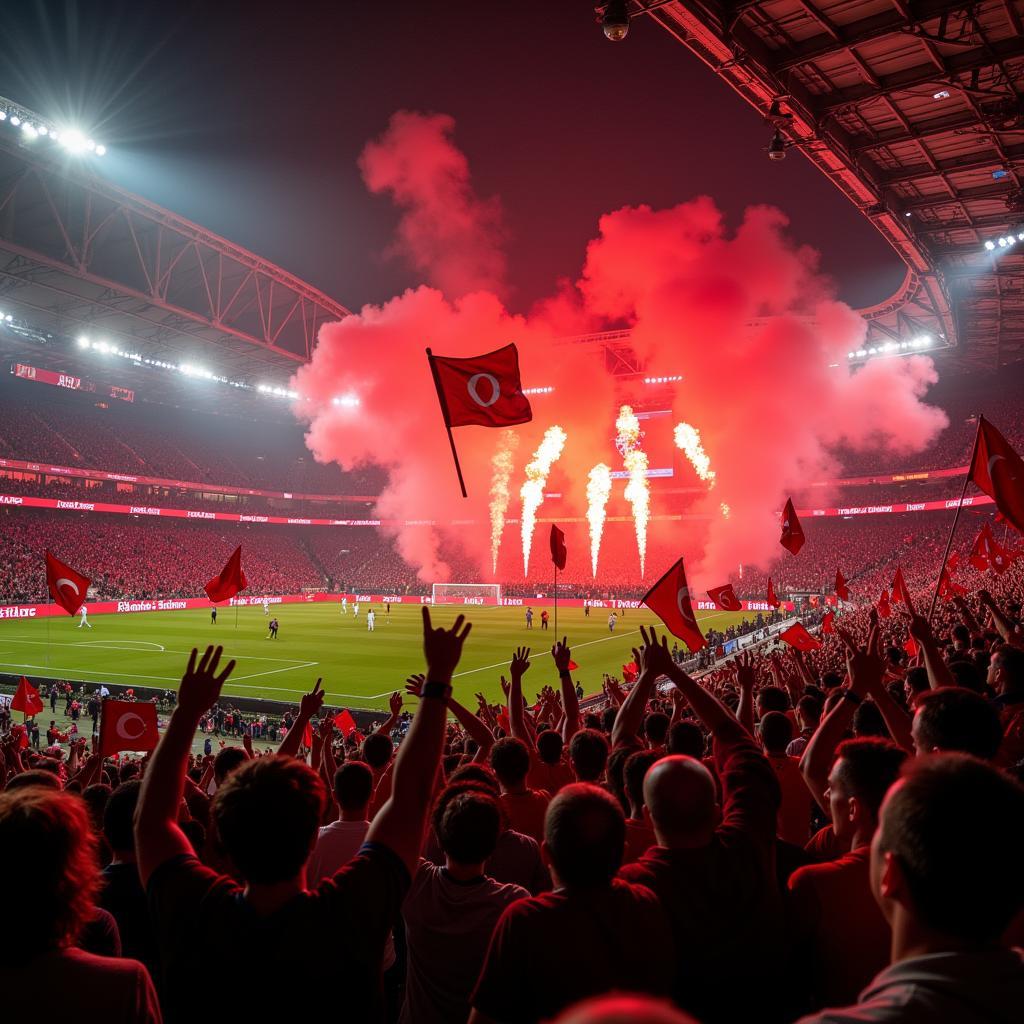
(572, 665)
(828, 623)
(125, 725)
(798, 637)
(26, 699)
(953, 563)
(999, 471)
(725, 598)
(900, 590)
(230, 581)
(947, 588)
(842, 590)
(307, 737)
(772, 599)
(910, 646)
(987, 553)
(504, 722)
(484, 391)
(669, 599)
(792, 538)
(558, 551)
(345, 723)
(67, 587)
(883, 606)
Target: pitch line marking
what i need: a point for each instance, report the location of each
(72, 643)
(115, 645)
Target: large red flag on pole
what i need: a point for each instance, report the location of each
(67, 587)
(792, 538)
(230, 581)
(483, 391)
(798, 638)
(26, 699)
(900, 590)
(999, 471)
(669, 599)
(558, 551)
(725, 598)
(772, 598)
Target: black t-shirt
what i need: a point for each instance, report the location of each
(317, 958)
(123, 896)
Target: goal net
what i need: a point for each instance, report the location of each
(466, 593)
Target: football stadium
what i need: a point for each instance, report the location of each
(513, 512)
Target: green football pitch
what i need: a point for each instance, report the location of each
(359, 669)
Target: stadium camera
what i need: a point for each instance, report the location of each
(614, 19)
(777, 147)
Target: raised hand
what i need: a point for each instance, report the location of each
(746, 674)
(326, 728)
(443, 647)
(312, 702)
(395, 703)
(506, 687)
(200, 685)
(654, 656)
(866, 668)
(414, 684)
(520, 663)
(562, 655)
(247, 745)
(920, 628)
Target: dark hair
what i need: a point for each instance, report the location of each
(656, 727)
(869, 767)
(966, 674)
(588, 752)
(47, 833)
(550, 746)
(608, 717)
(584, 832)
(917, 680)
(809, 707)
(615, 773)
(34, 777)
(266, 815)
(377, 750)
(226, 761)
(952, 718)
(636, 768)
(831, 680)
(478, 774)
(510, 760)
(960, 632)
(776, 732)
(467, 825)
(686, 738)
(353, 785)
(773, 698)
(1011, 662)
(944, 821)
(868, 721)
(119, 814)
(96, 796)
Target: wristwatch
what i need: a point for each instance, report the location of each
(435, 688)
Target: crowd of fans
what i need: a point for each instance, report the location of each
(829, 836)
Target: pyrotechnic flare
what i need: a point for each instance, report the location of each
(599, 487)
(501, 462)
(532, 492)
(638, 492)
(688, 439)
(725, 510)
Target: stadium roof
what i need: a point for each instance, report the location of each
(914, 110)
(79, 255)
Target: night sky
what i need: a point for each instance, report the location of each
(249, 118)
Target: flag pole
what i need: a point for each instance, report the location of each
(956, 519)
(447, 419)
(556, 602)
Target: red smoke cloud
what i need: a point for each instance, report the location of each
(744, 316)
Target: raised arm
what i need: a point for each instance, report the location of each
(395, 703)
(938, 670)
(746, 677)
(518, 667)
(570, 702)
(631, 711)
(310, 704)
(1004, 625)
(475, 728)
(399, 823)
(157, 835)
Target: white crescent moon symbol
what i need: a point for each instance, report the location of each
(123, 732)
(474, 382)
(683, 594)
(64, 581)
(991, 463)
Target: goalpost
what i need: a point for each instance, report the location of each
(465, 593)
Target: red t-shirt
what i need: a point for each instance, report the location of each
(794, 822)
(550, 951)
(525, 811)
(549, 777)
(841, 935)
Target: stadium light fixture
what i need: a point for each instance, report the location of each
(83, 341)
(33, 125)
(349, 401)
(989, 244)
(538, 391)
(671, 379)
(615, 20)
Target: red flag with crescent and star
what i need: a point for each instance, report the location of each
(792, 538)
(67, 587)
(798, 638)
(26, 699)
(772, 599)
(483, 391)
(127, 725)
(725, 598)
(999, 471)
(669, 599)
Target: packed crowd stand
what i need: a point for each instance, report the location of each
(828, 836)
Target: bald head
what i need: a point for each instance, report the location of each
(680, 795)
(624, 1009)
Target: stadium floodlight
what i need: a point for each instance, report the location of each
(15, 120)
(349, 401)
(101, 150)
(83, 342)
(989, 244)
(1001, 242)
(538, 391)
(615, 20)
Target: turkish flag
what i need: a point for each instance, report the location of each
(842, 590)
(345, 723)
(987, 553)
(772, 599)
(798, 637)
(999, 471)
(900, 591)
(883, 606)
(953, 563)
(792, 538)
(26, 699)
(230, 581)
(947, 588)
(910, 646)
(725, 598)
(482, 391)
(558, 551)
(67, 587)
(669, 599)
(828, 623)
(125, 725)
